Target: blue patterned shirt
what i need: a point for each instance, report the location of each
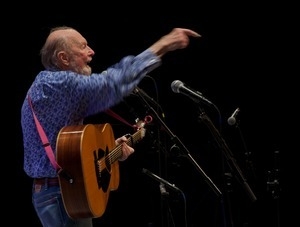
(61, 98)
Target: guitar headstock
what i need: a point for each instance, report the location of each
(140, 125)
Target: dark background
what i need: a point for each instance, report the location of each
(241, 61)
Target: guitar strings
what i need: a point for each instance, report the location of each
(114, 154)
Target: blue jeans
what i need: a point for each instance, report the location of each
(48, 204)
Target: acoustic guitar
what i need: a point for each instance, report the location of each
(89, 156)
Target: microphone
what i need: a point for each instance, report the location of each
(178, 87)
(232, 119)
(162, 189)
(161, 180)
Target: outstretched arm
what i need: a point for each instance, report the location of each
(178, 38)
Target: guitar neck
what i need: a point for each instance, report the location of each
(117, 153)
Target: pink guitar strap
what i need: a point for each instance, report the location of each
(147, 119)
(118, 117)
(45, 140)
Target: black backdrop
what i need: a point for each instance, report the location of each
(234, 65)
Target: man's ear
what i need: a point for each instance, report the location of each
(63, 58)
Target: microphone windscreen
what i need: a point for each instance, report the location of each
(176, 85)
(231, 121)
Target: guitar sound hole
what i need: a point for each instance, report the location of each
(102, 174)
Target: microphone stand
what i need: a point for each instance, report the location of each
(273, 184)
(166, 218)
(249, 163)
(168, 184)
(229, 156)
(178, 142)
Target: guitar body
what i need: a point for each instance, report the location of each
(82, 152)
